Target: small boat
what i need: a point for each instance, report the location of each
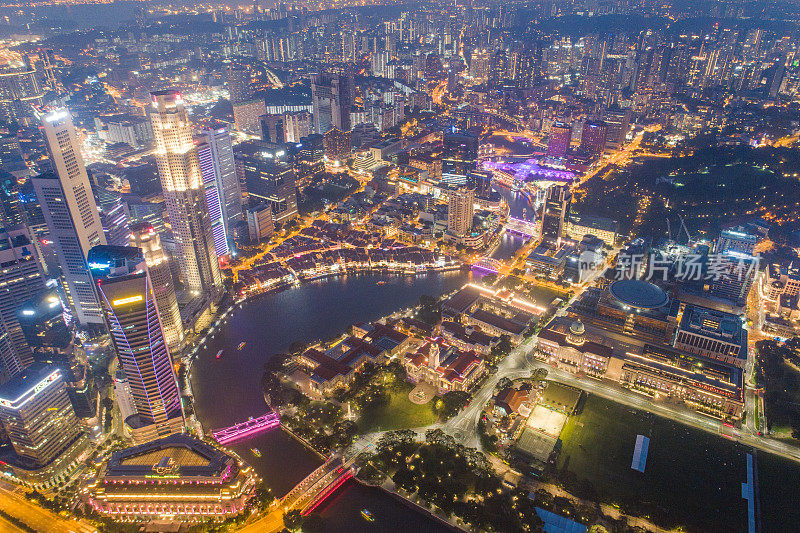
(219, 354)
(256, 452)
(241, 345)
(381, 282)
(367, 515)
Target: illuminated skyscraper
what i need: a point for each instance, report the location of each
(128, 298)
(332, 99)
(184, 193)
(218, 151)
(37, 414)
(593, 137)
(71, 214)
(271, 180)
(145, 237)
(460, 210)
(479, 66)
(560, 137)
(20, 279)
(238, 85)
(555, 212)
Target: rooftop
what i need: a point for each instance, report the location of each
(179, 454)
(24, 382)
(638, 294)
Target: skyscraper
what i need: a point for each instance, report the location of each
(617, 123)
(238, 85)
(144, 236)
(593, 137)
(71, 215)
(338, 144)
(37, 414)
(560, 137)
(128, 297)
(460, 210)
(20, 279)
(184, 194)
(331, 99)
(222, 191)
(113, 216)
(555, 212)
(273, 129)
(271, 180)
(297, 125)
(479, 65)
(19, 92)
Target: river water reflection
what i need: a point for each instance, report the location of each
(228, 390)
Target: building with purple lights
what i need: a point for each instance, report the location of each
(559, 141)
(529, 170)
(177, 477)
(129, 303)
(247, 429)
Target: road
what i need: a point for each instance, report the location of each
(13, 502)
(518, 364)
(619, 157)
(266, 524)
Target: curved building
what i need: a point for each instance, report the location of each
(638, 294)
(177, 477)
(128, 299)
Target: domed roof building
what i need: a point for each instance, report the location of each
(576, 334)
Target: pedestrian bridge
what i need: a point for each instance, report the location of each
(247, 429)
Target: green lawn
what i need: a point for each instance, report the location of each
(400, 413)
(544, 295)
(779, 493)
(692, 478)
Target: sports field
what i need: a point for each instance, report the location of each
(692, 479)
(546, 420)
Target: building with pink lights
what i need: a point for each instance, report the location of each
(178, 477)
(493, 312)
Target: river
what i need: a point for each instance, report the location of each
(228, 390)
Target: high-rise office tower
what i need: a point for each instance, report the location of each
(113, 216)
(71, 215)
(555, 212)
(460, 210)
(273, 128)
(593, 137)
(338, 144)
(130, 306)
(144, 236)
(37, 414)
(238, 84)
(222, 191)
(52, 341)
(297, 125)
(271, 180)
(560, 137)
(736, 239)
(20, 279)
(331, 99)
(479, 65)
(184, 194)
(460, 150)
(310, 156)
(617, 123)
